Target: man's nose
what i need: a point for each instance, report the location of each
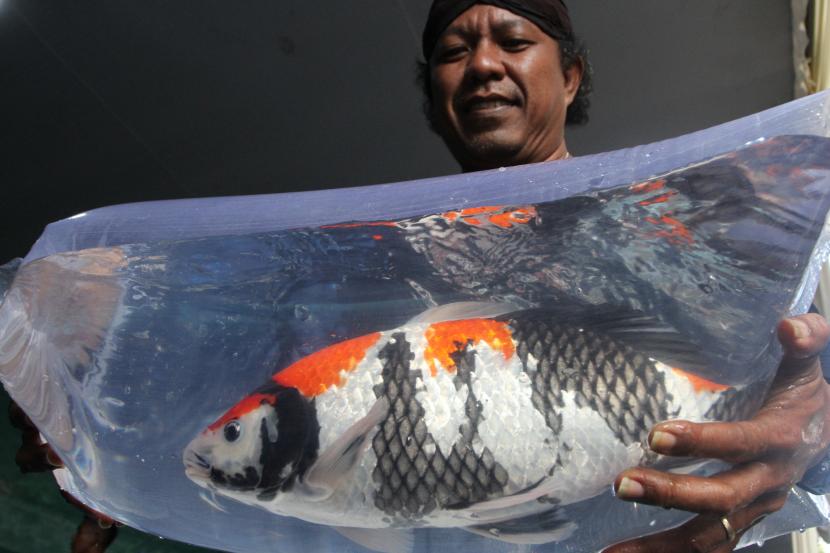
(486, 63)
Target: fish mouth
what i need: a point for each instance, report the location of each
(196, 467)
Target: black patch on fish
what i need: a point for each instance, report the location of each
(739, 403)
(602, 372)
(244, 481)
(413, 476)
(297, 442)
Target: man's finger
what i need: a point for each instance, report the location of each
(733, 442)
(92, 537)
(721, 493)
(803, 338)
(36, 458)
(705, 533)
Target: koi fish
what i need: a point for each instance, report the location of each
(471, 415)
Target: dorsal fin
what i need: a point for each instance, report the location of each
(642, 332)
(463, 310)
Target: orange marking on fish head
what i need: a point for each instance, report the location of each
(701, 384)
(447, 338)
(377, 237)
(248, 404)
(314, 374)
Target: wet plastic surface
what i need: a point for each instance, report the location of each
(129, 329)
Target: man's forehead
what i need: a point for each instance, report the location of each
(550, 16)
(496, 19)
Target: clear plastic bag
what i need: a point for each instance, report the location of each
(128, 330)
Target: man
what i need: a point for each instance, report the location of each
(501, 79)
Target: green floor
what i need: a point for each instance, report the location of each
(34, 518)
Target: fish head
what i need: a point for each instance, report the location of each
(259, 446)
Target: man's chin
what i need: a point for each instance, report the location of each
(486, 151)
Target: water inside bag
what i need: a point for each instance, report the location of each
(123, 353)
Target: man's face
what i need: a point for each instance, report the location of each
(499, 95)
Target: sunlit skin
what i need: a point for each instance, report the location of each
(499, 93)
(499, 98)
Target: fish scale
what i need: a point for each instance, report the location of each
(627, 391)
(738, 403)
(410, 482)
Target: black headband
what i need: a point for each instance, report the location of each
(549, 15)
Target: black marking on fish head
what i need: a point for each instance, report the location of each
(259, 446)
(246, 480)
(290, 441)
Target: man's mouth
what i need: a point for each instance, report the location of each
(489, 104)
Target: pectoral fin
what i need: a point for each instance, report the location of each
(541, 489)
(545, 527)
(338, 461)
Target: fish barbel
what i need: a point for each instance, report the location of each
(474, 416)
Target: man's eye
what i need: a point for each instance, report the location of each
(451, 53)
(515, 44)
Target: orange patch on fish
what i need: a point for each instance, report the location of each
(444, 339)
(520, 216)
(659, 199)
(678, 233)
(649, 186)
(314, 374)
(678, 229)
(468, 214)
(701, 384)
(497, 215)
(242, 408)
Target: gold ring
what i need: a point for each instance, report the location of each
(730, 532)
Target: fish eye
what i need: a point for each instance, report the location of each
(232, 431)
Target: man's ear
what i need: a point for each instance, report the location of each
(573, 78)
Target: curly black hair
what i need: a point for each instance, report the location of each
(572, 51)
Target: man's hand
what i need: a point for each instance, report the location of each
(770, 454)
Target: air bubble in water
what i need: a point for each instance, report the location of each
(301, 312)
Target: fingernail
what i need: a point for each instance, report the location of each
(800, 330)
(662, 441)
(630, 489)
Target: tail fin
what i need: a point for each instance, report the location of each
(54, 316)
